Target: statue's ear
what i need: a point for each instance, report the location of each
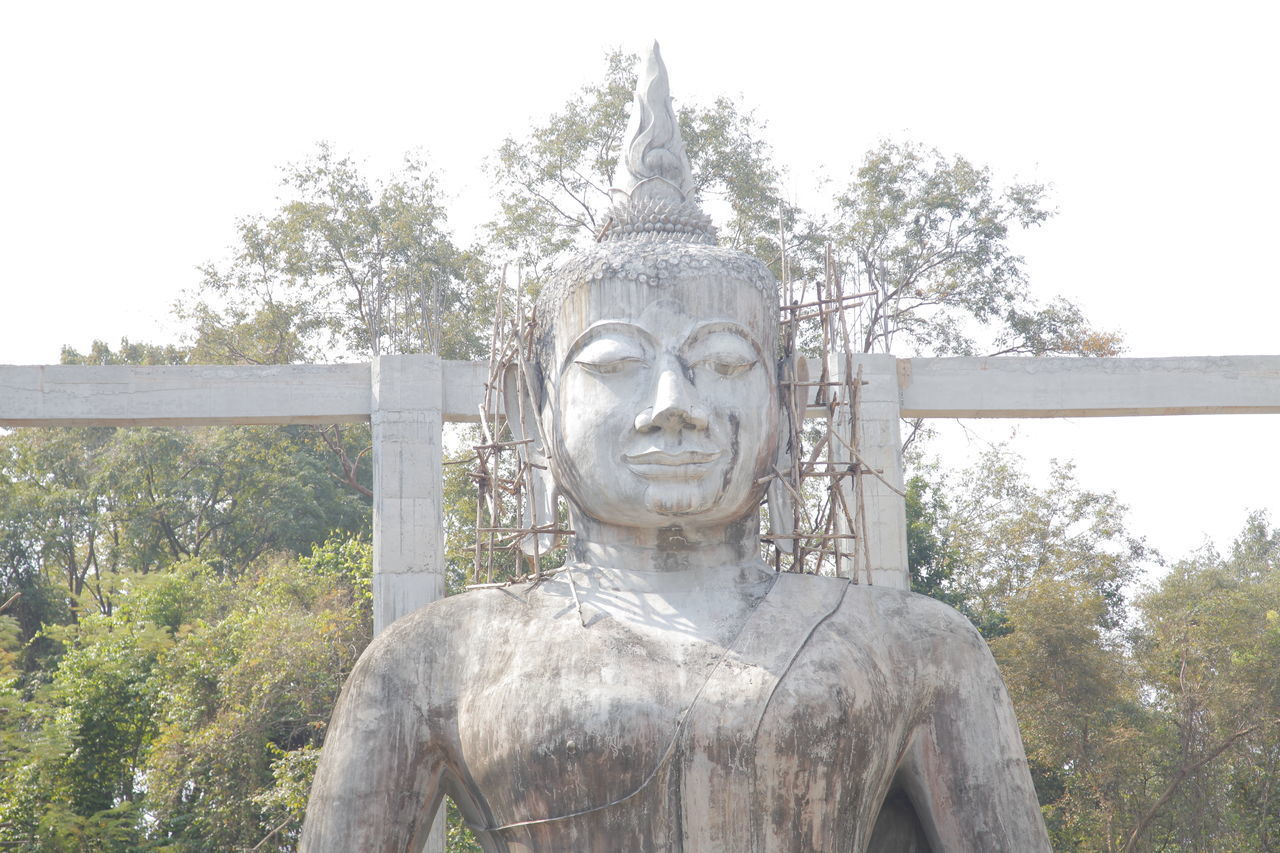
(538, 508)
(782, 503)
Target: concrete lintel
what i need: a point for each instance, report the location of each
(463, 390)
(120, 395)
(209, 395)
(1003, 387)
(1006, 387)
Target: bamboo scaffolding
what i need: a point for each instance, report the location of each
(829, 532)
(506, 535)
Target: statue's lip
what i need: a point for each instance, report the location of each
(682, 457)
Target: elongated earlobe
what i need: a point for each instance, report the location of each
(538, 502)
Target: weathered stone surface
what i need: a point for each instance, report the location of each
(667, 691)
(713, 709)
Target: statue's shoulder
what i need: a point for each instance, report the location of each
(892, 615)
(425, 649)
(465, 611)
(456, 620)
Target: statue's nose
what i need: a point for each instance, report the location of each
(674, 404)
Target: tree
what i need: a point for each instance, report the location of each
(930, 564)
(1085, 729)
(923, 235)
(71, 785)
(83, 503)
(346, 266)
(189, 718)
(926, 238)
(1041, 571)
(1209, 647)
(988, 535)
(249, 690)
(87, 503)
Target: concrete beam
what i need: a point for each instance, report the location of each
(118, 395)
(463, 390)
(115, 395)
(1004, 387)
(203, 395)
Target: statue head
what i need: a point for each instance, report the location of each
(656, 352)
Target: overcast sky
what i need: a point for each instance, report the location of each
(133, 135)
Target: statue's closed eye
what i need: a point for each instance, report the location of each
(722, 355)
(605, 368)
(606, 356)
(725, 365)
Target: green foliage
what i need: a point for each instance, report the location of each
(187, 592)
(1079, 707)
(89, 503)
(100, 353)
(284, 804)
(1209, 647)
(71, 785)
(1041, 572)
(12, 707)
(458, 836)
(926, 237)
(190, 717)
(347, 560)
(30, 598)
(931, 566)
(107, 831)
(995, 536)
(734, 169)
(1149, 725)
(243, 691)
(553, 184)
(459, 510)
(345, 266)
(80, 506)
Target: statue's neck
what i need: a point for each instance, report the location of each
(677, 548)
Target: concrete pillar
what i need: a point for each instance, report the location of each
(408, 528)
(881, 442)
(880, 445)
(408, 522)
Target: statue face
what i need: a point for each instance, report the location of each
(662, 401)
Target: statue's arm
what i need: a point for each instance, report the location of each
(966, 771)
(377, 786)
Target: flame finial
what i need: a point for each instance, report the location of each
(655, 201)
(653, 161)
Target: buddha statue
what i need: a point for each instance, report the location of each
(667, 690)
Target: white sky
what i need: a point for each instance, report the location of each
(132, 135)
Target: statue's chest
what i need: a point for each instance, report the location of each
(572, 720)
(616, 731)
